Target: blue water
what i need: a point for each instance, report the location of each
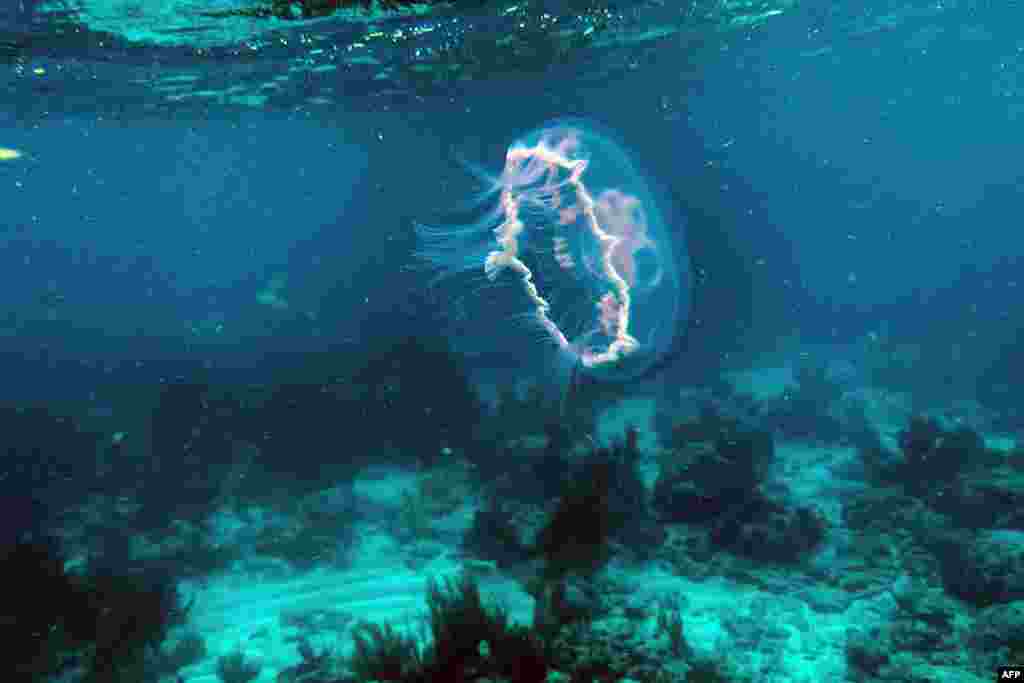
(849, 183)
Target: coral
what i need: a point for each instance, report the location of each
(183, 650)
(982, 569)
(715, 465)
(468, 635)
(770, 532)
(998, 634)
(44, 601)
(670, 625)
(494, 536)
(598, 503)
(933, 455)
(383, 654)
(706, 672)
(867, 653)
(985, 497)
(235, 668)
(133, 615)
(315, 666)
(112, 623)
(459, 620)
(566, 600)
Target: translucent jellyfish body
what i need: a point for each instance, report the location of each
(570, 243)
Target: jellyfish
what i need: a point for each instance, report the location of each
(569, 249)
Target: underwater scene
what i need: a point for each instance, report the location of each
(511, 341)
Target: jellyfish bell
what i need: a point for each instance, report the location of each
(568, 250)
